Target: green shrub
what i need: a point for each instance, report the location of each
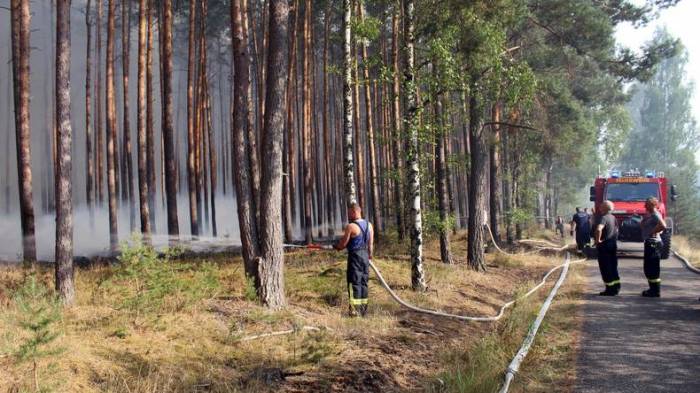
(316, 346)
(37, 318)
(144, 282)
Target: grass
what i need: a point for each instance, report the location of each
(154, 325)
(688, 248)
(478, 367)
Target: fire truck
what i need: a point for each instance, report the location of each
(628, 191)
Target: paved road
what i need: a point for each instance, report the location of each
(634, 344)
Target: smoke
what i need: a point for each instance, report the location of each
(91, 235)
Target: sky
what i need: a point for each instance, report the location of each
(682, 22)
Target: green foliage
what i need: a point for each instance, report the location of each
(665, 136)
(145, 282)
(520, 216)
(433, 225)
(250, 293)
(316, 346)
(38, 320)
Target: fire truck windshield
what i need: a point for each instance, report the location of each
(631, 192)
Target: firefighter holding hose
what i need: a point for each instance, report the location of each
(358, 238)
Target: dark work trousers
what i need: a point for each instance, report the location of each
(583, 237)
(357, 275)
(607, 262)
(652, 261)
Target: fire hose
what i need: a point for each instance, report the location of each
(496, 317)
(514, 365)
(686, 263)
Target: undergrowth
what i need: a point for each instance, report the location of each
(479, 368)
(146, 282)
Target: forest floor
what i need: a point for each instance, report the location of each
(148, 326)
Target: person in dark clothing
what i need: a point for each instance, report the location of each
(652, 226)
(358, 238)
(580, 224)
(605, 236)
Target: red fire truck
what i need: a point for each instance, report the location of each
(628, 192)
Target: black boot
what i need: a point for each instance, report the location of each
(363, 310)
(611, 290)
(653, 291)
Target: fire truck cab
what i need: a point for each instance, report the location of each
(628, 191)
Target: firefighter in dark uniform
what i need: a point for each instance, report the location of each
(581, 225)
(652, 226)
(358, 238)
(605, 235)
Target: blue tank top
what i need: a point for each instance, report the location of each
(360, 241)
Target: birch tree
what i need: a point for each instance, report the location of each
(412, 166)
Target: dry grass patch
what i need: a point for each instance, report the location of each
(688, 248)
(176, 326)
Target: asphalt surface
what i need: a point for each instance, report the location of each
(635, 344)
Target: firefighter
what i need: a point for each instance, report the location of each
(560, 226)
(652, 226)
(605, 235)
(581, 225)
(358, 238)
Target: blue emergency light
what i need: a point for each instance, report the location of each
(615, 174)
(650, 174)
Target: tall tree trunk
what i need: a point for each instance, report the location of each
(126, 47)
(191, 147)
(254, 127)
(358, 142)
(150, 113)
(348, 106)
(212, 156)
(327, 148)
(99, 127)
(495, 184)
(89, 159)
(396, 126)
(507, 189)
(167, 116)
(412, 158)
(271, 262)
(20, 79)
(142, 140)
(207, 123)
(442, 179)
(245, 202)
(373, 170)
(111, 129)
(64, 203)
(478, 204)
(290, 160)
(306, 142)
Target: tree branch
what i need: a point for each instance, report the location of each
(501, 123)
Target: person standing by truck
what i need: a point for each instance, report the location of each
(605, 235)
(652, 226)
(581, 225)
